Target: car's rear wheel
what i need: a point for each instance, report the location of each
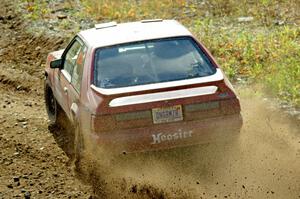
(84, 164)
(78, 146)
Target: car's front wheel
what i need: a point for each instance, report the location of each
(52, 107)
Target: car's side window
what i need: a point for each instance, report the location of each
(78, 68)
(73, 63)
(71, 57)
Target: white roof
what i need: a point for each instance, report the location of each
(133, 31)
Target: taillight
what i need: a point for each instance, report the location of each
(107, 123)
(202, 110)
(230, 106)
(201, 106)
(103, 123)
(133, 116)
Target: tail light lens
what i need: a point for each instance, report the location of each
(118, 121)
(201, 106)
(230, 106)
(202, 110)
(133, 116)
(103, 123)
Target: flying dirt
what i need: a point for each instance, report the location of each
(262, 162)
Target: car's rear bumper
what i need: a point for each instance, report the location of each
(170, 135)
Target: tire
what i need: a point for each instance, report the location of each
(78, 146)
(52, 107)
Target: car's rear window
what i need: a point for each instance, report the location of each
(149, 62)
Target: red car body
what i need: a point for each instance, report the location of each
(122, 119)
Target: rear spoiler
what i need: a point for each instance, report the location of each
(218, 76)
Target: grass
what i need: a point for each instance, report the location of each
(259, 51)
(270, 56)
(266, 11)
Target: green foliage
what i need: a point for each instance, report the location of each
(285, 79)
(259, 50)
(263, 11)
(131, 10)
(36, 9)
(268, 55)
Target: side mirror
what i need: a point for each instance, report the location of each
(56, 63)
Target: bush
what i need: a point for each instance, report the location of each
(260, 50)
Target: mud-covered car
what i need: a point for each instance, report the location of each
(140, 86)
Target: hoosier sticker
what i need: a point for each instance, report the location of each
(163, 137)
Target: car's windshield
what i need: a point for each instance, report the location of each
(149, 62)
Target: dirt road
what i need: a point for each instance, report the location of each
(263, 163)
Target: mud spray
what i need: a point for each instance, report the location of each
(263, 162)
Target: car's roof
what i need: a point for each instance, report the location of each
(134, 31)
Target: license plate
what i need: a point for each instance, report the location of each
(167, 114)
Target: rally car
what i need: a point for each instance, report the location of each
(140, 86)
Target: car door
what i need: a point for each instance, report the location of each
(69, 61)
(76, 80)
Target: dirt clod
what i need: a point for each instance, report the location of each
(27, 195)
(16, 179)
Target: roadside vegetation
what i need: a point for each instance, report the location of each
(257, 41)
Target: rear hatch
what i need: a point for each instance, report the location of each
(158, 82)
(164, 105)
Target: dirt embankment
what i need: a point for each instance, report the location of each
(31, 163)
(263, 163)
